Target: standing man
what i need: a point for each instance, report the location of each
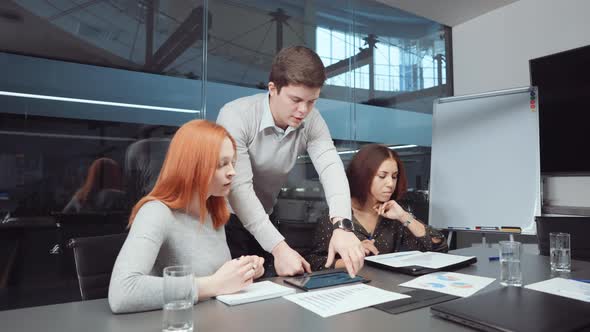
(271, 130)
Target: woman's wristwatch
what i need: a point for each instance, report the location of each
(409, 220)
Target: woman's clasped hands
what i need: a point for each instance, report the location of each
(238, 273)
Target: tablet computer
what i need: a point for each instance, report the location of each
(322, 279)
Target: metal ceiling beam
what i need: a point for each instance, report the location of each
(280, 17)
(189, 31)
(149, 29)
(73, 9)
(349, 64)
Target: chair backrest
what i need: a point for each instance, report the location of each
(298, 234)
(577, 227)
(95, 257)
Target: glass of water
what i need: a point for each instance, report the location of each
(559, 252)
(510, 273)
(179, 296)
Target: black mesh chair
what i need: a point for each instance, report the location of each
(95, 257)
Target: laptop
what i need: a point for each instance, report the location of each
(516, 309)
(577, 227)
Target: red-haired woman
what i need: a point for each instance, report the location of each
(181, 222)
(377, 180)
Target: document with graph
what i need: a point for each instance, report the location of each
(457, 284)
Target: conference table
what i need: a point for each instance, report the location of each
(277, 314)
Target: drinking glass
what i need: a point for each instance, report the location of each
(179, 296)
(510, 273)
(559, 252)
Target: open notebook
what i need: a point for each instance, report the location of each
(258, 291)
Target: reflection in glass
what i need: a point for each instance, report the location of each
(151, 36)
(102, 190)
(143, 161)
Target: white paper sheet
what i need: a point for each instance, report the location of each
(338, 300)
(433, 260)
(563, 287)
(256, 292)
(457, 284)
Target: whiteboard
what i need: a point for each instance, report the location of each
(485, 166)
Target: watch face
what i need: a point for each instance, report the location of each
(347, 224)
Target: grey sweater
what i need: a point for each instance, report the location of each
(160, 237)
(266, 155)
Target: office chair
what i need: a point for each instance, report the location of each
(86, 224)
(95, 257)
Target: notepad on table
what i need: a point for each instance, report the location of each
(258, 291)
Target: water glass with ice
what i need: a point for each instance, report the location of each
(510, 273)
(559, 252)
(179, 294)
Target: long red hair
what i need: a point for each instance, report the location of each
(190, 164)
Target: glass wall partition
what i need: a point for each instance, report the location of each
(385, 67)
(92, 91)
(90, 94)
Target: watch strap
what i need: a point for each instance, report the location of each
(344, 224)
(408, 220)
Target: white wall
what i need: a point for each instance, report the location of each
(491, 52)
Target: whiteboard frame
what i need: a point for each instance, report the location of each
(443, 209)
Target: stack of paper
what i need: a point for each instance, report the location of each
(335, 301)
(457, 284)
(563, 287)
(263, 290)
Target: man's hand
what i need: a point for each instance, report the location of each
(288, 262)
(350, 249)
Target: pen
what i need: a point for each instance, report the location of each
(494, 258)
(583, 280)
(462, 228)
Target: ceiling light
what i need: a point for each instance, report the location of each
(97, 102)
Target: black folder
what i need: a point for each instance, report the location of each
(415, 270)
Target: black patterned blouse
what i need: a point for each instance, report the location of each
(389, 235)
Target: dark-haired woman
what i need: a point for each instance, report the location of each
(377, 180)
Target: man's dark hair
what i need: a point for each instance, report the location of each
(297, 65)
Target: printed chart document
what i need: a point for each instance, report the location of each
(457, 284)
(432, 260)
(573, 289)
(258, 291)
(338, 300)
